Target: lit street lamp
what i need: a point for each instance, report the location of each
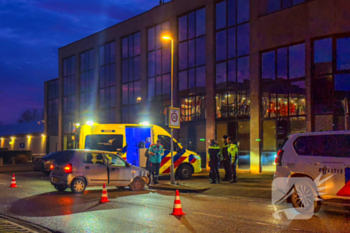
(166, 37)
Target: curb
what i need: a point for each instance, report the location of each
(26, 225)
(181, 188)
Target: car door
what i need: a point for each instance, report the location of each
(95, 168)
(118, 170)
(319, 157)
(335, 165)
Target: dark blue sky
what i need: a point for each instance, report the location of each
(31, 31)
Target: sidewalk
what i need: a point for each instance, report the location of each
(248, 185)
(16, 168)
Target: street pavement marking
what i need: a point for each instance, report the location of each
(261, 223)
(217, 216)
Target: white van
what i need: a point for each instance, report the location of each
(323, 157)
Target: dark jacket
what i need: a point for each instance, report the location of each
(214, 153)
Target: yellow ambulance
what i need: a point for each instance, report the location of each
(131, 141)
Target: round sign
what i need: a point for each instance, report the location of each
(174, 117)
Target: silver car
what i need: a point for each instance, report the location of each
(78, 169)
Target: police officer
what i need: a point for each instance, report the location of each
(233, 152)
(226, 160)
(214, 153)
(156, 151)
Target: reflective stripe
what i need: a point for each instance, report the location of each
(177, 198)
(177, 206)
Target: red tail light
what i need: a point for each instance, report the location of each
(52, 166)
(278, 160)
(68, 168)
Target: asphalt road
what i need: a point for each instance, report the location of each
(36, 201)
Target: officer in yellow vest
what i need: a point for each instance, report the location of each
(233, 153)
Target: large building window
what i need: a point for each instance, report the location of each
(107, 86)
(283, 82)
(232, 59)
(87, 81)
(192, 108)
(131, 76)
(69, 98)
(331, 80)
(276, 5)
(158, 62)
(52, 106)
(192, 61)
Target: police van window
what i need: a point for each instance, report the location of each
(104, 142)
(323, 145)
(115, 160)
(93, 158)
(165, 141)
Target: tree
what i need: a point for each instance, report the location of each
(31, 115)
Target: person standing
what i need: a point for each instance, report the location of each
(214, 153)
(226, 160)
(156, 151)
(233, 152)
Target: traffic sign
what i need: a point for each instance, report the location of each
(174, 118)
(22, 145)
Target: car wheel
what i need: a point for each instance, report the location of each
(304, 197)
(60, 188)
(184, 172)
(78, 185)
(138, 184)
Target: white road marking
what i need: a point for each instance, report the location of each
(261, 223)
(210, 215)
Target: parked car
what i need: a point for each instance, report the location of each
(43, 164)
(323, 158)
(78, 169)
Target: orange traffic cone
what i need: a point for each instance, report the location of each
(177, 205)
(13, 182)
(104, 197)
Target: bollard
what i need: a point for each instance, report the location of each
(1, 162)
(13, 161)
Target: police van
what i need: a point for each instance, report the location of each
(324, 158)
(131, 142)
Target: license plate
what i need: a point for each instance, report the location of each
(55, 179)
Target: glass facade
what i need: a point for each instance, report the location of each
(331, 78)
(232, 59)
(52, 107)
(87, 96)
(107, 84)
(192, 61)
(159, 62)
(283, 97)
(131, 76)
(277, 5)
(69, 98)
(283, 82)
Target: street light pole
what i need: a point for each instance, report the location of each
(172, 176)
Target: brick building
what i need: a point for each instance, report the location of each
(255, 70)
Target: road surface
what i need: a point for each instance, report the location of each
(36, 201)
